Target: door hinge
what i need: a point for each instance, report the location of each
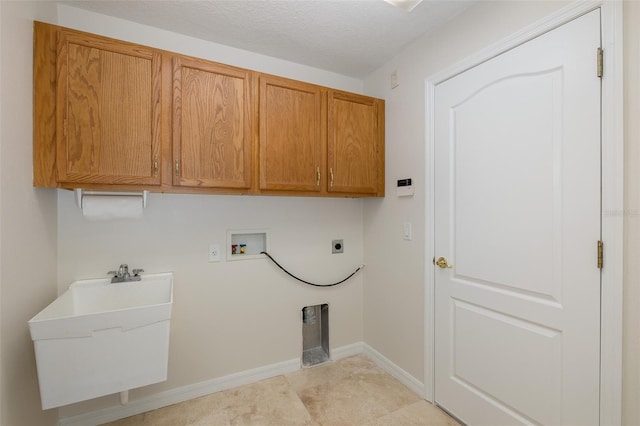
(600, 61)
(600, 254)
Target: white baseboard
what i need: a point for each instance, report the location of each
(185, 393)
(402, 376)
(346, 351)
(175, 396)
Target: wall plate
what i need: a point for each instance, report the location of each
(214, 252)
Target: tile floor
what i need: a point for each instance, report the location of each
(350, 391)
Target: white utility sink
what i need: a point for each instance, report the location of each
(100, 338)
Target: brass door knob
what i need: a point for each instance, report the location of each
(442, 263)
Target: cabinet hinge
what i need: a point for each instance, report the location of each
(600, 254)
(600, 61)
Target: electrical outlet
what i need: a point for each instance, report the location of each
(337, 246)
(214, 252)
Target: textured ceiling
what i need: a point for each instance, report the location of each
(349, 37)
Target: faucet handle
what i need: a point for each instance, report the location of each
(112, 273)
(137, 271)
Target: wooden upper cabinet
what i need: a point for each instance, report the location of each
(109, 114)
(291, 135)
(107, 111)
(355, 144)
(212, 124)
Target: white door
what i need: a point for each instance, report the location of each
(517, 218)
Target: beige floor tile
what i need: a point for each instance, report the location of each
(420, 413)
(268, 402)
(364, 395)
(195, 412)
(349, 392)
(359, 363)
(316, 376)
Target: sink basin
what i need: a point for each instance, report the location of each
(91, 305)
(99, 338)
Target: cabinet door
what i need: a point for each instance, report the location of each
(291, 135)
(355, 144)
(108, 111)
(212, 122)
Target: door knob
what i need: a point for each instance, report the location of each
(442, 263)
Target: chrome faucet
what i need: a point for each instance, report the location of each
(123, 275)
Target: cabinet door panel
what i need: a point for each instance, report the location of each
(290, 135)
(108, 107)
(211, 124)
(353, 143)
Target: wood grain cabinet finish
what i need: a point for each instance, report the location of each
(291, 136)
(355, 153)
(212, 124)
(115, 115)
(318, 140)
(108, 111)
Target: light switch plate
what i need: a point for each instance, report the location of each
(406, 232)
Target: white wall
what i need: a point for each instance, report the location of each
(395, 275)
(125, 30)
(216, 304)
(228, 317)
(394, 292)
(27, 220)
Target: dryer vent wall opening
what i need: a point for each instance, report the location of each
(315, 335)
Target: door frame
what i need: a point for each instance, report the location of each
(612, 193)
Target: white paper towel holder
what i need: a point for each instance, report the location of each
(79, 193)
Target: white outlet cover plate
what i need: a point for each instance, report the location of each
(214, 252)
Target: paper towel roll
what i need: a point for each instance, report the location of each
(110, 207)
